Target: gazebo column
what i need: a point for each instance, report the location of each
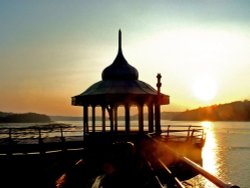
(127, 118)
(157, 119)
(140, 118)
(150, 118)
(116, 118)
(111, 117)
(103, 119)
(93, 118)
(85, 119)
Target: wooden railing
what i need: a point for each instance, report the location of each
(11, 139)
(38, 133)
(183, 133)
(38, 140)
(188, 129)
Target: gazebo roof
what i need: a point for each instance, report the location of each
(106, 87)
(119, 84)
(120, 69)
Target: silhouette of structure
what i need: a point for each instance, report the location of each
(142, 157)
(120, 86)
(111, 157)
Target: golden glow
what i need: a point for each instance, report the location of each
(207, 124)
(177, 53)
(208, 151)
(204, 88)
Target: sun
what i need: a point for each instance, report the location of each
(204, 88)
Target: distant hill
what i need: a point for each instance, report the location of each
(169, 115)
(66, 118)
(164, 115)
(235, 111)
(23, 118)
(4, 114)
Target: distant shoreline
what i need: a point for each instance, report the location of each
(24, 118)
(234, 111)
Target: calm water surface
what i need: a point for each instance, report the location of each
(226, 153)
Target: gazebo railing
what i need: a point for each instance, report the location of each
(194, 133)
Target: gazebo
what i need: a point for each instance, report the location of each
(121, 88)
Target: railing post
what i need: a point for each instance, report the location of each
(10, 142)
(192, 134)
(168, 130)
(40, 136)
(188, 133)
(40, 140)
(62, 137)
(189, 127)
(62, 140)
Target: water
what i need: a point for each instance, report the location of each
(226, 153)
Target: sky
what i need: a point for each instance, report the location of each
(51, 51)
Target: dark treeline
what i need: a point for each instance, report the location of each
(235, 111)
(66, 118)
(23, 118)
(164, 115)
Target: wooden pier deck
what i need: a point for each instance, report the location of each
(44, 161)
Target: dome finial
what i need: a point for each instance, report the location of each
(120, 40)
(120, 69)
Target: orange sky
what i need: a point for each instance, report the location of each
(53, 50)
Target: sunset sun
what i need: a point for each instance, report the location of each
(204, 88)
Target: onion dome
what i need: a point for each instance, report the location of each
(120, 69)
(119, 85)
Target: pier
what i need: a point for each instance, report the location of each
(39, 148)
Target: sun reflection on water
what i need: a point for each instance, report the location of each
(209, 150)
(209, 159)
